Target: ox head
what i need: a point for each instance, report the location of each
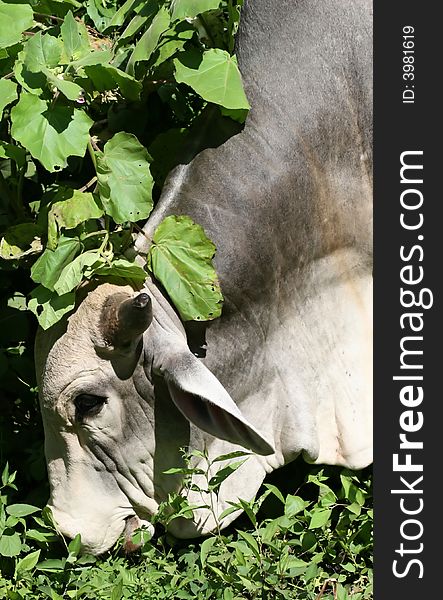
(118, 389)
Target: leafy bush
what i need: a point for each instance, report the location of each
(97, 100)
(317, 544)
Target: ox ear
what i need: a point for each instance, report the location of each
(203, 400)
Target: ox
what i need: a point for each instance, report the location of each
(288, 365)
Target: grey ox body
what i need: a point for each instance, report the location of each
(288, 204)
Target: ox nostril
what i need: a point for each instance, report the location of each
(132, 524)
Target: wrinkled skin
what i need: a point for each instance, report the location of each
(288, 204)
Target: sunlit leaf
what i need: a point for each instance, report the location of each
(214, 76)
(51, 132)
(181, 9)
(124, 179)
(49, 307)
(8, 93)
(181, 259)
(14, 19)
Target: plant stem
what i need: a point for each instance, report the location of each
(21, 180)
(52, 17)
(88, 185)
(92, 154)
(4, 189)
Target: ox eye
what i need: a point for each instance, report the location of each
(88, 405)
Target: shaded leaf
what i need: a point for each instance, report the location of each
(20, 240)
(16, 153)
(149, 40)
(107, 77)
(224, 473)
(120, 16)
(236, 454)
(52, 565)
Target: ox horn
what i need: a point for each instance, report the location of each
(125, 318)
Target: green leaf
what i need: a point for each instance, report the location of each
(8, 93)
(75, 37)
(33, 83)
(71, 90)
(149, 40)
(73, 273)
(206, 548)
(173, 41)
(117, 591)
(14, 20)
(21, 510)
(10, 545)
(52, 565)
(319, 518)
(277, 493)
(15, 153)
(354, 508)
(216, 78)
(41, 536)
(20, 240)
(251, 541)
(98, 57)
(100, 14)
(238, 114)
(48, 267)
(180, 258)
(48, 307)
(75, 545)
(42, 50)
(51, 132)
(224, 473)
(70, 209)
(120, 16)
(27, 563)
(121, 267)
(293, 505)
(107, 77)
(5, 475)
(145, 12)
(181, 9)
(236, 454)
(309, 541)
(124, 179)
(227, 512)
